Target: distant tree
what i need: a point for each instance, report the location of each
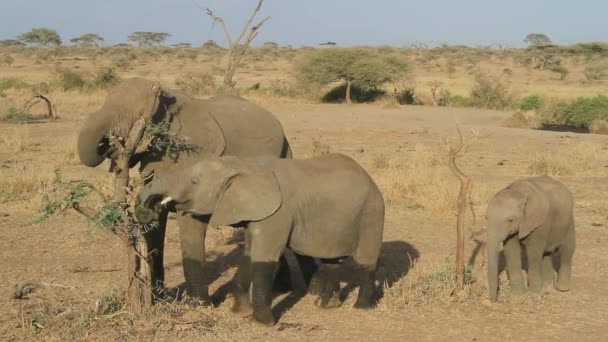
(355, 67)
(328, 43)
(88, 39)
(148, 38)
(41, 36)
(270, 45)
(8, 60)
(122, 45)
(11, 42)
(536, 39)
(182, 45)
(211, 45)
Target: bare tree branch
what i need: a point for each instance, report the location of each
(51, 112)
(456, 152)
(220, 21)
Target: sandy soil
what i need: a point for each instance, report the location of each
(67, 250)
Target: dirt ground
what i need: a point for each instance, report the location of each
(419, 235)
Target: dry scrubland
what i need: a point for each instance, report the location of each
(400, 145)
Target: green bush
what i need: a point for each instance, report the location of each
(106, 78)
(531, 102)
(18, 116)
(582, 111)
(490, 93)
(407, 97)
(561, 70)
(70, 80)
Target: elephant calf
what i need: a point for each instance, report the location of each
(326, 207)
(537, 213)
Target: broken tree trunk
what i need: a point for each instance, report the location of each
(456, 152)
(51, 112)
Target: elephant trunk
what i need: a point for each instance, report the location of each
(93, 145)
(493, 247)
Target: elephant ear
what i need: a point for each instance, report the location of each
(248, 196)
(536, 208)
(212, 142)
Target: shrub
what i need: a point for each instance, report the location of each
(490, 93)
(17, 115)
(561, 70)
(70, 80)
(121, 62)
(531, 102)
(582, 111)
(407, 96)
(106, 78)
(8, 60)
(596, 73)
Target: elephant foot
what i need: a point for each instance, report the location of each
(242, 306)
(562, 286)
(317, 284)
(517, 290)
(328, 302)
(365, 304)
(264, 317)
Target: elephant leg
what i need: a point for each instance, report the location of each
(286, 278)
(329, 296)
(548, 273)
(512, 251)
(263, 277)
(566, 252)
(534, 251)
(309, 269)
(242, 281)
(192, 236)
(367, 287)
(155, 238)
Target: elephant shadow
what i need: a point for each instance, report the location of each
(396, 260)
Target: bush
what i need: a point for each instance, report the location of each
(582, 111)
(17, 115)
(599, 126)
(407, 97)
(121, 62)
(596, 73)
(531, 102)
(196, 83)
(490, 93)
(561, 70)
(70, 80)
(106, 78)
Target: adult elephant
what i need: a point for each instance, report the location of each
(221, 125)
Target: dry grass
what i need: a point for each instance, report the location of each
(23, 182)
(575, 160)
(431, 283)
(419, 182)
(599, 127)
(18, 140)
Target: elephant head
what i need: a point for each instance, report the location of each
(220, 188)
(513, 212)
(131, 99)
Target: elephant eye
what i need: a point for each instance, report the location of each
(510, 219)
(194, 180)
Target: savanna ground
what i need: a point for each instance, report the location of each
(403, 149)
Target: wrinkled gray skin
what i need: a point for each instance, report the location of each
(537, 213)
(326, 207)
(222, 125)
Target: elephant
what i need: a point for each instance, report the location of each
(221, 125)
(537, 213)
(326, 207)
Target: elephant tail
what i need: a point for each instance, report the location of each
(286, 153)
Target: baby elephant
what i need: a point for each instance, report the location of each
(326, 207)
(537, 213)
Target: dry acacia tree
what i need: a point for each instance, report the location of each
(456, 151)
(236, 50)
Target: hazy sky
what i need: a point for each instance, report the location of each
(309, 22)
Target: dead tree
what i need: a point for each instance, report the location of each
(236, 50)
(456, 152)
(434, 86)
(51, 112)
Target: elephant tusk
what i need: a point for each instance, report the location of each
(166, 200)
